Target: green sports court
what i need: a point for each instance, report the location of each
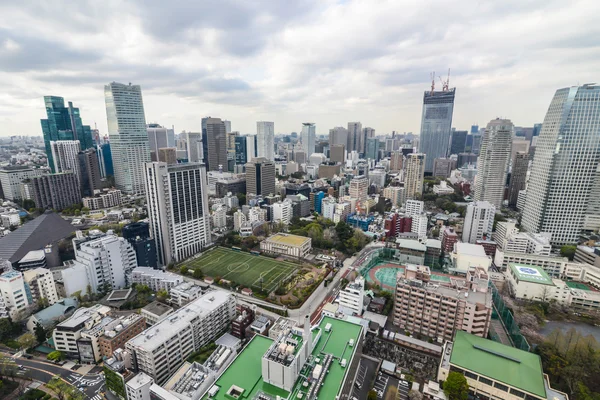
(244, 268)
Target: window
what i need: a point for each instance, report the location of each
(500, 386)
(486, 381)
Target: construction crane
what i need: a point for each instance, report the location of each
(446, 82)
(432, 82)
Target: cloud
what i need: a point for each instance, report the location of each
(329, 61)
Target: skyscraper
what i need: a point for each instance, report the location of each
(518, 177)
(308, 138)
(160, 137)
(338, 153)
(563, 173)
(265, 137)
(415, 170)
(128, 135)
(338, 135)
(63, 123)
(354, 133)
(396, 159)
(372, 149)
(64, 155)
(436, 124)
(457, 142)
(260, 177)
(89, 172)
(492, 164)
(177, 202)
(105, 160)
(193, 146)
(215, 145)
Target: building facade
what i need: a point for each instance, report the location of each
(265, 138)
(286, 244)
(479, 221)
(56, 191)
(260, 177)
(436, 125)
(415, 172)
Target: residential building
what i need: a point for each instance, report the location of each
(396, 159)
(155, 279)
(494, 370)
(89, 172)
(155, 312)
(493, 161)
(588, 254)
(56, 191)
(518, 177)
(41, 285)
(265, 138)
(138, 235)
(219, 217)
(352, 297)
(414, 207)
(466, 256)
(119, 332)
(11, 178)
(68, 332)
(359, 188)
(479, 221)
(395, 194)
(238, 220)
(214, 144)
(438, 309)
(449, 238)
(63, 123)
(282, 212)
(308, 138)
(128, 135)
(161, 349)
(177, 202)
(64, 156)
(564, 169)
(415, 171)
(442, 167)
(185, 293)
(436, 125)
(15, 296)
(286, 244)
(419, 225)
(260, 177)
(108, 198)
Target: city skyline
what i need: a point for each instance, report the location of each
(235, 83)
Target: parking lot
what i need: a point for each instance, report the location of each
(367, 369)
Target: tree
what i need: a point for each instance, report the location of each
(183, 270)
(42, 302)
(343, 231)
(415, 395)
(456, 386)
(40, 333)
(162, 295)
(568, 251)
(241, 198)
(372, 395)
(198, 274)
(56, 356)
(27, 340)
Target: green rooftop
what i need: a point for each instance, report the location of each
(514, 367)
(578, 285)
(531, 273)
(246, 372)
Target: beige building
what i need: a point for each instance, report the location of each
(41, 283)
(413, 179)
(286, 244)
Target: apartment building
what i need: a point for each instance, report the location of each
(352, 297)
(437, 308)
(161, 349)
(68, 332)
(155, 312)
(14, 295)
(155, 279)
(185, 293)
(124, 328)
(42, 286)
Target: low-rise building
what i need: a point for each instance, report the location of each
(68, 332)
(50, 316)
(41, 284)
(155, 279)
(155, 312)
(531, 282)
(106, 199)
(119, 332)
(15, 296)
(184, 293)
(286, 244)
(352, 297)
(466, 256)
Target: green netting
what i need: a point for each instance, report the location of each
(512, 328)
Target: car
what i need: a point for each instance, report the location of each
(28, 356)
(22, 368)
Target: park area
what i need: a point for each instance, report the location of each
(249, 270)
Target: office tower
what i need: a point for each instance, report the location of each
(241, 150)
(260, 177)
(160, 350)
(518, 177)
(11, 178)
(492, 165)
(479, 221)
(167, 155)
(308, 138)
(215, 145)
(177, 202)
(368, 133)
(396, 159)
(372, 149)
(138, 235)
(227, 126)
(105, 160)
(338, 153)
(457, 142)
(443, 166)
(193, 142)
(159, 137)
(56, 191)
(63, 123)
(128, 135)
(436, 124)
(474, 129)
(413, 179)
(64, 156)
(300, 157)
(265, 138)
(564, 166)
(338, 135)
(89, 172)
(354, 137)
(466, 158)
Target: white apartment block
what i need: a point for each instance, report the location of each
(257, 214)
(283, 212)
(11, 179)
(479, 221)
(155, 279)
(413, 207)
(160, 350)
(177, 201)
(9, 219)
(219, 217)
(68, 332)
(138, 387)
(184, 293)
(13, 293)
(238, 220)
(395, 194)
(419, 225)
(108, 259)
(42, 285)
(352, 297)
(527, 243)
(504, 229)
(328, 207)
(359, 188)
(65, 155)
(107, 199)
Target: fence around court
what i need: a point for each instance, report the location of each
(502, 312)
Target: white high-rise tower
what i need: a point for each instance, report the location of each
(492, 165)
(308, 138)
(128, 135)
(265, 138)
(565, 165)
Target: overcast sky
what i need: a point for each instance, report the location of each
(292, 61)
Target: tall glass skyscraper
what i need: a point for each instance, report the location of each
(63, 123)
(128, 135)
(436, 124)
(308, 138)
(565, 165)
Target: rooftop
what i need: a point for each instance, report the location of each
(157, 308)
(470, 249)
(411, 244)
(531, 273)
(83, 314)
(517, 368)
(139, 381)
(290, 240)
(33, 255)
(59, 309)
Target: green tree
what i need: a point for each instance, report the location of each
(456, 386)
(242, 198)
(568, 251)
(183, 270)
(27, 340)
(40, 333)
(56, 356)
(198, 274)
(162, 295)
(372, 395)
(42, 302)
(343, 231)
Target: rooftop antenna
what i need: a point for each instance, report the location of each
(432, 82)
(445, 83)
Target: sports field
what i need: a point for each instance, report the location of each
(243, 268)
